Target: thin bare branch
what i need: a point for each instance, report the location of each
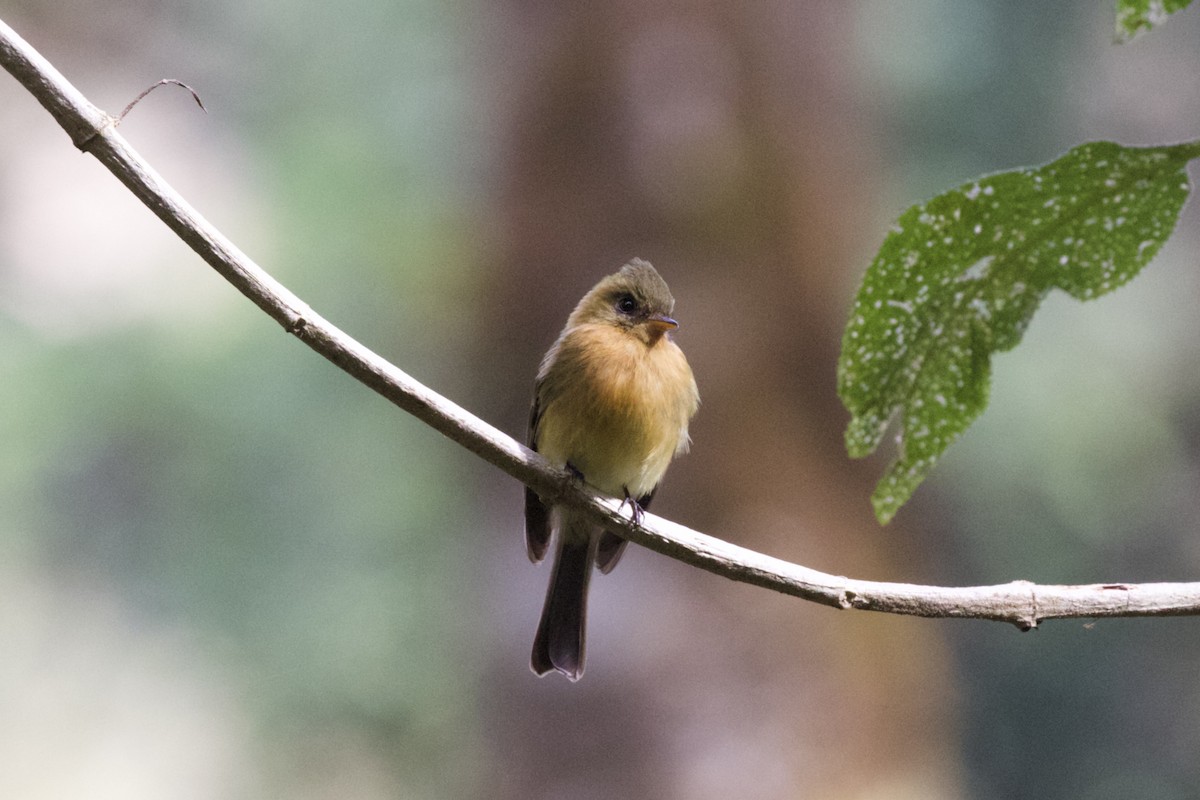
(151, 88)
(1020, 603)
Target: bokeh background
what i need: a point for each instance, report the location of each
(228, 571)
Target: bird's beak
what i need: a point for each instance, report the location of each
(661, 323)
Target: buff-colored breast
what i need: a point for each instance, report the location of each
(615, 408)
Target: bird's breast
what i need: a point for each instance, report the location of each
(615, 408)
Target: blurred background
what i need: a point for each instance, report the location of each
(228, 571)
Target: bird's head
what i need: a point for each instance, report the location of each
(635, 299)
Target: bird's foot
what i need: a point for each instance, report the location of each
(635, 509)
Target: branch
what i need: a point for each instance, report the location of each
(1021, 603)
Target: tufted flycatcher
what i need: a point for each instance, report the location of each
(611, 404)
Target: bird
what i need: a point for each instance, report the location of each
(612, 402)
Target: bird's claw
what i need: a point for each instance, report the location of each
(635, 509)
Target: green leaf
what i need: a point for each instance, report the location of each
(1137, 16)
(959, 277)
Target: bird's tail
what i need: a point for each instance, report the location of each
(559, 643)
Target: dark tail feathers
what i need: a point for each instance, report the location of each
(559, 644)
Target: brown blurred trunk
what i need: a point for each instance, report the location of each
(720, 142)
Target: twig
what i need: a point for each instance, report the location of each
(1020, 603)
(151, 88)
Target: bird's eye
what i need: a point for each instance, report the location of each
(626, 304)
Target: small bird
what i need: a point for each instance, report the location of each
(612, 403)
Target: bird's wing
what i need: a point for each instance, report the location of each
(537, 513)
(644, 500)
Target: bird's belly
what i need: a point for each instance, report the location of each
(616, 449)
